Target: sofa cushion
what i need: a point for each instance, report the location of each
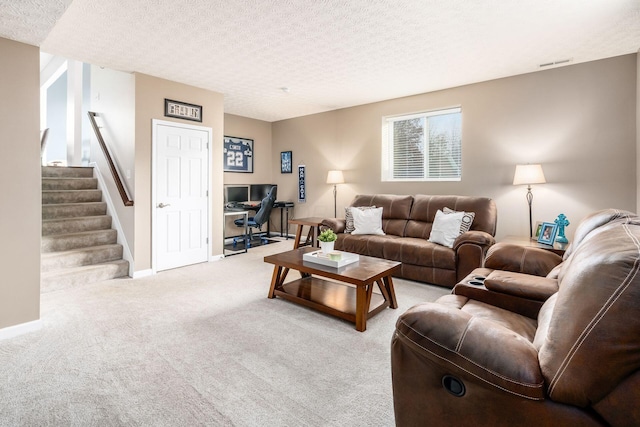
(423, 213)
(445, 228)
(467, 219)
(395, 210)
(410, 250)
(348, 217)
(365, 244)
(367, 221)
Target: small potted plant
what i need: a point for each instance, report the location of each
(327, 239)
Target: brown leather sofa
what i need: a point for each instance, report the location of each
(491, 358)
(407, 222)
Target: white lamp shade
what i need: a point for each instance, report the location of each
(528, 174)
(335, 177)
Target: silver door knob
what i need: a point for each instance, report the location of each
(162, 205)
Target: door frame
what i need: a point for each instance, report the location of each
(155, 123)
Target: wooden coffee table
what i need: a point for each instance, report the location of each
(348, 296)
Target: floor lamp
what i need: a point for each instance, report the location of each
(529, 174)
(335, 178)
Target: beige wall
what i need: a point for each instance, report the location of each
(113, 98)
(578, 121)
(638, 131)
(260, 132)
(20, 218)
(150, 93)
(263, 166)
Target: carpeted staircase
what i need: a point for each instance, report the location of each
(78, 244)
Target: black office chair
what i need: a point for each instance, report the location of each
(261, 217)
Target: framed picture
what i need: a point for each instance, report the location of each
(548, 232)
(238, 154)
(182, 110)
(536, 230)
(285, 162)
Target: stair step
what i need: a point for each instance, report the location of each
(70, 171)
(78, 257)
(79, 276)
(73, 210)
(51, 227)
(65, 242)
(69, 183)
(71, 196)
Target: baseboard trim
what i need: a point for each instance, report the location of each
(21, 329)
(142, 273)
(216, 257)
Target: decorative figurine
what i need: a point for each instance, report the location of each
(562, 222)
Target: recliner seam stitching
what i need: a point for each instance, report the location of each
(597, 318)
(471, 373)
(469, 360)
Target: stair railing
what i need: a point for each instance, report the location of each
(112, 166)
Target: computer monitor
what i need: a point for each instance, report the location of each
(260, 191)
(236, 193)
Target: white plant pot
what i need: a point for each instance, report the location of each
(326, 247)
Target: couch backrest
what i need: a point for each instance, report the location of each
(424, 209)
(588, 335)
(593, 221)
(395, 210)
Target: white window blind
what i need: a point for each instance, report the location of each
(423, 147)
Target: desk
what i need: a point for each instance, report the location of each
(314, 229)
(227, 213)
(255, 207)
(556, 248)
(284, 206)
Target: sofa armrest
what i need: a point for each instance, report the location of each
(511, 257)
(471, 348)
(338, 225)
(474, 237)
(521, 285)
(519, 293)
(470, 249)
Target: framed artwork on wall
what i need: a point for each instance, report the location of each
(182, 110)
(238, 154)
(286, 161)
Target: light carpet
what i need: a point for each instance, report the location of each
(200, 345)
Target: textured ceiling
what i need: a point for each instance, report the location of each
(329, 53)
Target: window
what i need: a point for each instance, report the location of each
(423, 146)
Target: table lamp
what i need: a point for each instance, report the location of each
(529, 174)
(335, 178)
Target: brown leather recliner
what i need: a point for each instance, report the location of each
(462, 361)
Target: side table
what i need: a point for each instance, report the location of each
(314, 229)
(557, 248)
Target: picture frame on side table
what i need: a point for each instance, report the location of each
(537, 229)
(548, 232)
(286, 162)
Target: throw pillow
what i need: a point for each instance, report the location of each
(367, 221)
(446, 227)
(348, 217)
(467, 219)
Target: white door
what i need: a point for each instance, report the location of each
(181, 195)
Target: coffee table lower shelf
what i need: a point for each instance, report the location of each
(336, 299)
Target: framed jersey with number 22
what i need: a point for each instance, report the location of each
(238, 154)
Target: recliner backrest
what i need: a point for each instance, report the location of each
(588, 335)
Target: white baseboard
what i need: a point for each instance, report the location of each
(216, 257)
(22, 328)
(142, 273)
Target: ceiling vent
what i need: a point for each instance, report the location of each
(558, 62)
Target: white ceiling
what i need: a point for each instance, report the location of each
(329, 53)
